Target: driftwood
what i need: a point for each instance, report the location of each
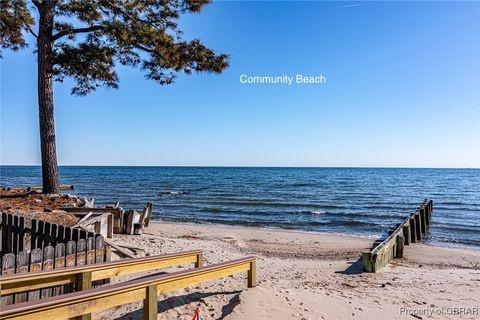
(85, 218)
(119, 249)
(115, 246)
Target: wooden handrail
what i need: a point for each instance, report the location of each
(42, 279)
(146, 289)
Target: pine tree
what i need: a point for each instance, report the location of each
(86, 39)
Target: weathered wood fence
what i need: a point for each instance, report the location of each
(45, 234)
(50, 246)
(412, 229)
(84, 251)
(12, 229)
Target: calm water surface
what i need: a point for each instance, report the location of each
(356, 201)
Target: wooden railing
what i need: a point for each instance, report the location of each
(145, 289)
(14, 284)
(412, 229)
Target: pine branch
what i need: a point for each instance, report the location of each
(31, 30)
(78, 30)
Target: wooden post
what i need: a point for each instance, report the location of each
(46, 237)
(413, 228)
(15, 235)
(9, 233)
(252, 275)
(22, 267)
(4, 234)
(150, 304)
(84, 282)
(36, 257)
(110, 226)
(400, 246)
(130, 215)
(21, 232)
(81, 248)
(99, 249)
(406, 233)
(367, 261)
(108, 253)
(90, 250)
(199, 262)
(40, 228)
(70, 261)
(8, 267)
(149, 214)
(61, 234)
(423, 223)
(59, 263)
(429, 212)
(33, 234)
(48, 258)
(53, 235)
(418, 230)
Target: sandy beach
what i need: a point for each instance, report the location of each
(311, 276)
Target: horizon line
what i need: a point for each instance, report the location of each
(237, 166)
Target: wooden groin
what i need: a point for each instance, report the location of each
(412, 229)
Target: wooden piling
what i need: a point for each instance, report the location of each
(413, 229)
(423, 223)
(406, 233)
(400, 246)
(418, 230)
(150, 304)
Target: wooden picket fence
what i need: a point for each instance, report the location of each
(45, 234)
(52, 246)
(74, 253)
(12, 230)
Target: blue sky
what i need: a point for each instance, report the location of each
(403, 90)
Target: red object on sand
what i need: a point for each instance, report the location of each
(195, 315)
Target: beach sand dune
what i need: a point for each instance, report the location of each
(311, 276)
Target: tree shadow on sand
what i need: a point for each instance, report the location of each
(177, 301)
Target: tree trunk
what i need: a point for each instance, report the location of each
(45, 98)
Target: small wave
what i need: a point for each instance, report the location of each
(171, 193)
(317, 213)
(301, 184)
